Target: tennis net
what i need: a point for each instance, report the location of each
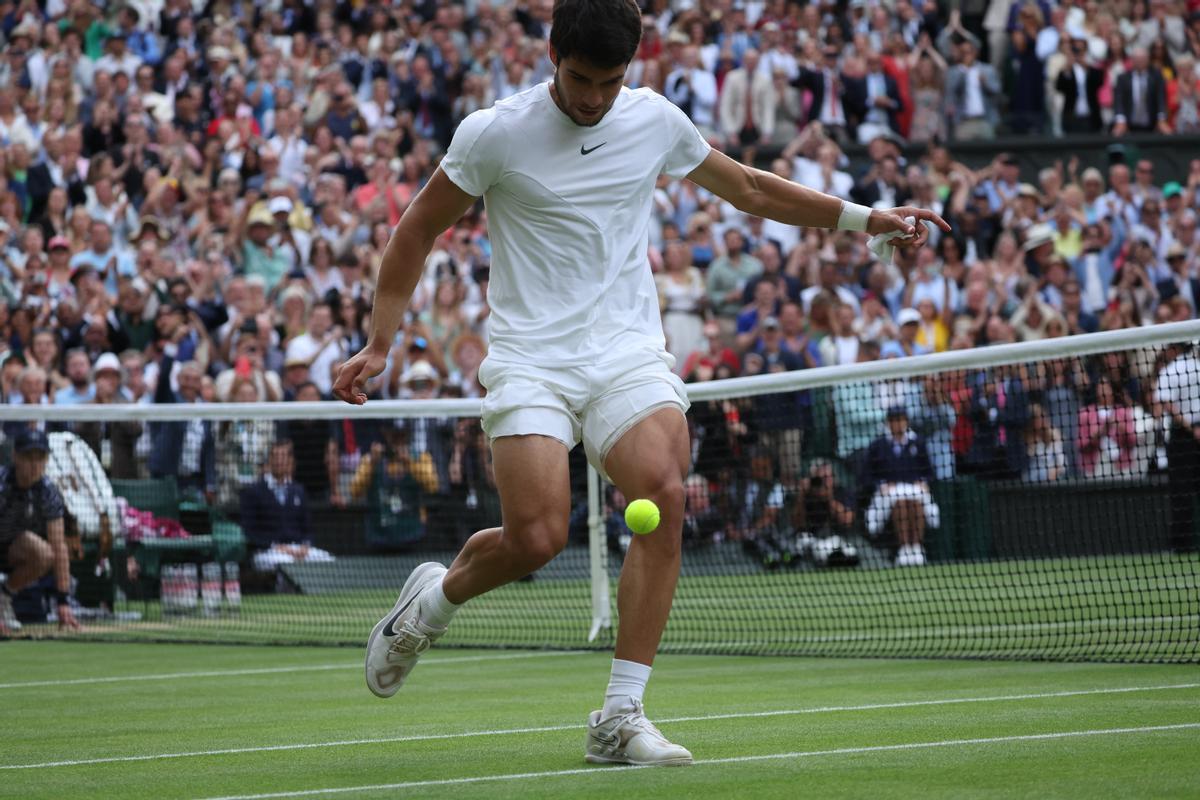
(1031, 501)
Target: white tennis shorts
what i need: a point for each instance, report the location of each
(596, 403)
(884, 501)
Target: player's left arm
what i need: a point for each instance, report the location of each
(764, 194)
(57, 536)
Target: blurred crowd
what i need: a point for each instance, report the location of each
(196, 196)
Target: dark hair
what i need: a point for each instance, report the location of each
(604, 33)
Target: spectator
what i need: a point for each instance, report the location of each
(185, 451)
(1045, 460)
(898, 473)
(682, 299)
(729, 274)
(827, 85)
(747, 106)
(1140, 98)
(114, 443)
(320, 346)
(712, 352)
(1079, 84)
(972, 92)
(876, 101)
(1179, 282)
(313, 447)
(81, 389)
(276, 516)
(32, 535)
(906, 344)
(820, 506)
(394, 494)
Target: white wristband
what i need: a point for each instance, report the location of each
(853, 217)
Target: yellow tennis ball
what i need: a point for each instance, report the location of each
(642, 516)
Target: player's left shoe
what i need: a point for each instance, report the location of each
(399, 639)
(630, 738)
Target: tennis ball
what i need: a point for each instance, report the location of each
(642, 516)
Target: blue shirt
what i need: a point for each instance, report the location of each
(892, 349)
(99, 262)
(70, 396)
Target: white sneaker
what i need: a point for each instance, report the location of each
(8, 618)
(910, 555)
(399, 639)
(630, 738)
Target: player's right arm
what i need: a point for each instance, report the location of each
(438, 206)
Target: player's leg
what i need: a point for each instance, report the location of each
(535, 497)
(649, 461)
(535, 505)
(28, 558)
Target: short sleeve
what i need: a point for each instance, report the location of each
(476, 154)
(53, 507)
(687, 147)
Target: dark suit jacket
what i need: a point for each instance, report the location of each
(1068, 87)
(1168, 289)
(814, 81)
(883, 465)
(1156, 97)
(868, 193)
(856, 100)
(265, 521)
(167, 438)
(39, 183)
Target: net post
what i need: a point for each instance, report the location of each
(597, 557)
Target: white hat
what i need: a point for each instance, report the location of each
(1038, 235)
(280, 205)
(420, 371)
(107, 362)
(908, 315)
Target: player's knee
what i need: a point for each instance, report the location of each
(540, 543)
(668, 494)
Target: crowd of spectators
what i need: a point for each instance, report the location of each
(195, 198)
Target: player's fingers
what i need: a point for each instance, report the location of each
(924, 213)
(343, 387)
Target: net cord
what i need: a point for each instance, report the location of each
(891, 369)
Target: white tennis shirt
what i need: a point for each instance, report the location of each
(568, 217)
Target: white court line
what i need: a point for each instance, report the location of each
(882, 748)
(551, 728)
(221, 673)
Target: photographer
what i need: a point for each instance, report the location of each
(387, 480)
(820, 507)
(32, 536)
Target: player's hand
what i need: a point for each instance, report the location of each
(66, 618)
(893, 220)
(353, 376)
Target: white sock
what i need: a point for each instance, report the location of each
(436, 610)
(626, 684)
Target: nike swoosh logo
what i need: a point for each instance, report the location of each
(583, 151)
(389, 629)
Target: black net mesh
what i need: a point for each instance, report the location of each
(1041, 510)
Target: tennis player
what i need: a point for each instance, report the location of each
(567, 170)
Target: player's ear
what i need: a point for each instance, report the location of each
(553, 54)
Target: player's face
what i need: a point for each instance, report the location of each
(584, 92)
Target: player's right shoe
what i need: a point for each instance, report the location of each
(398, 640)
(630, 738)
(8, 618)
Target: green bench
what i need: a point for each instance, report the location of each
(160, 496)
